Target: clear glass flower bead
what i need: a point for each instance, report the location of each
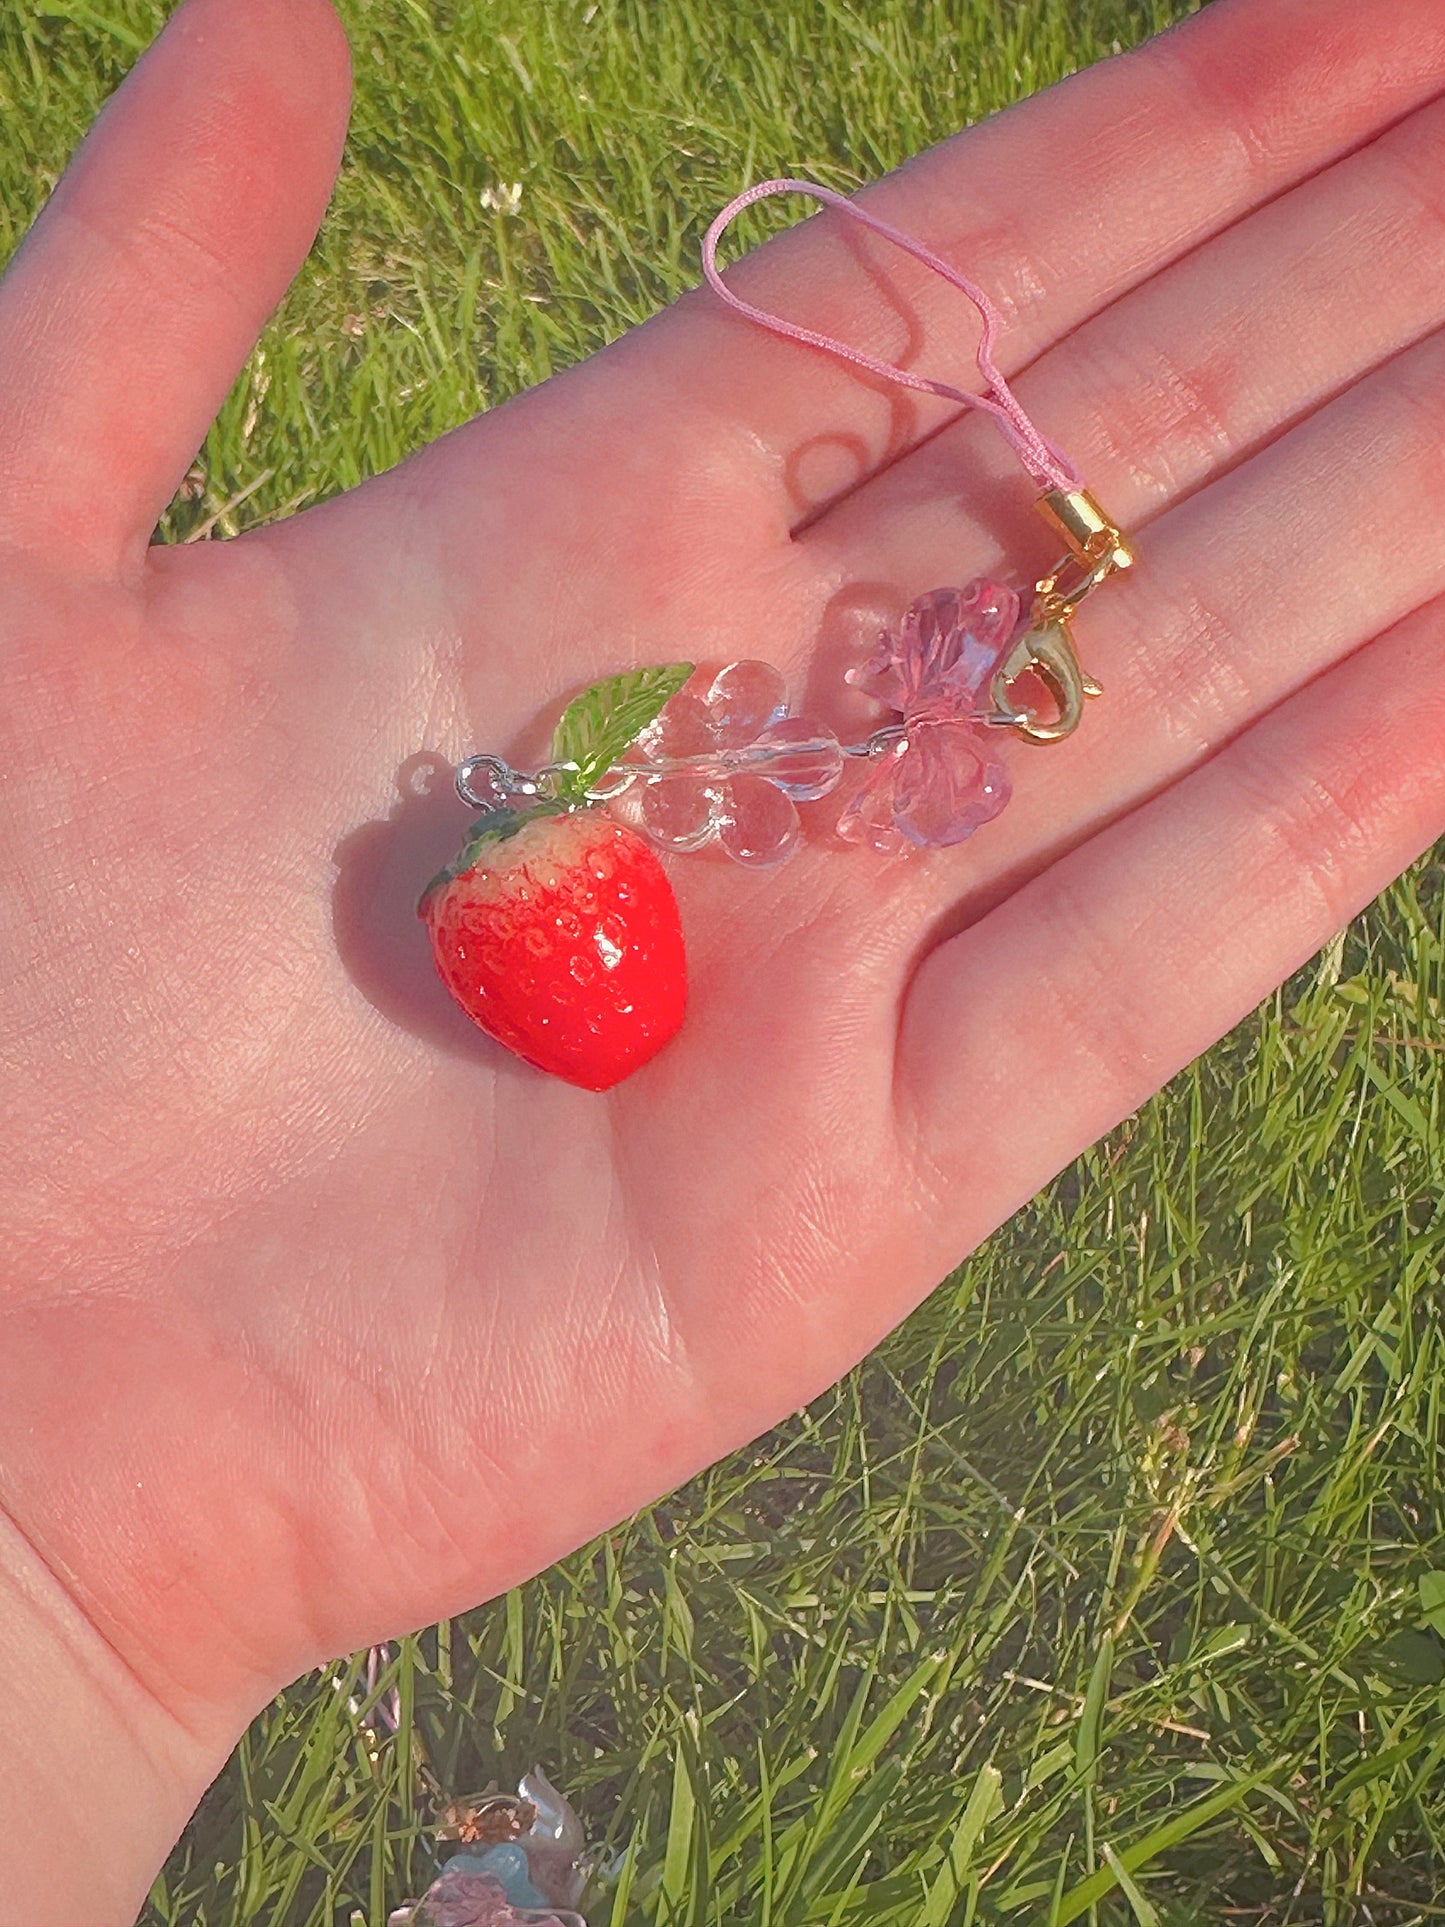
(726, 763)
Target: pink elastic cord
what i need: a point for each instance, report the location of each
(1048, 466)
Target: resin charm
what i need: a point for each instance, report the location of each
(521, 1861)
(560, 937)
(555, 928)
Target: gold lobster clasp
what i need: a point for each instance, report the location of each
(1047, 651)
(1097, 550)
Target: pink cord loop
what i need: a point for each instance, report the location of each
(1049, 467)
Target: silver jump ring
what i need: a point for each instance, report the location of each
(503, 783)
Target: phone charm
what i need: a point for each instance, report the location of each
(556, 929)
(503, 1859)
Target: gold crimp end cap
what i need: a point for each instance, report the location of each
(1092, 537)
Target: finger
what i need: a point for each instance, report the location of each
(1249, 590)
(670, 445)
(1191, 372)
(1153, 939)
(137, 296)
(1057, 208)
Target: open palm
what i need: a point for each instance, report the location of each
(322, 1316)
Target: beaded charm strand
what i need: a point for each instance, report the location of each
(556, 929)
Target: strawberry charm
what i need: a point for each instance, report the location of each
(555, 927)
(556, 930)
(559, 934)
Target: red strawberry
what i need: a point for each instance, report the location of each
(559, 935)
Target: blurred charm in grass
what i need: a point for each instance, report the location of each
(521, 1857)
(521, 1860)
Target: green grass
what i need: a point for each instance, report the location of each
(1102, 1591)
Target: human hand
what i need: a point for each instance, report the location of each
(323, 1317)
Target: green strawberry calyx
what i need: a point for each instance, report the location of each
(495, 827)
